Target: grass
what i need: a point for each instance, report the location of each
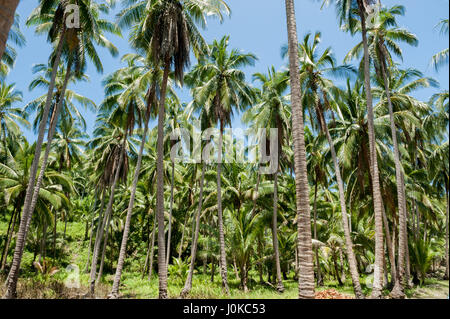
(74, 251)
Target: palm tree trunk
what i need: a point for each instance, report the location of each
(105, 244)
(9, 234)
(316, 249)
(162, 266)
(279, 284)
(223, 258)
(150, 270)
(169, 232)
(306, 272)
(377, 200)
(446, 239)
(98, 240)
(126, 230)
(97, 234)
(398, 291)
(188, 284)
(54, 233)
(390, 248)
(11, 282)
(7, 12)
(348, 239)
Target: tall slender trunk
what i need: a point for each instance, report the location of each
(446, 239)
(126, 230)
(7, 12)
(188, 284)
(97, 234)
(223, 257)
(13, 276)
(390, 248)
(169, 232)
(306, 272)
(54, 233)
(348, 239)
(398, 291)
(377, 200)
(51, 133)
(98, 240)
(316, 249)
(279, 284)
(162, 266)
(105, 244)
(152, 249)
(9, 234)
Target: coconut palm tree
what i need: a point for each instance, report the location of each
(74, 44)
(224, 89)
(441, 58)
(306, 273)
(167, 32)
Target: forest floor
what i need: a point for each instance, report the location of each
(71, 281)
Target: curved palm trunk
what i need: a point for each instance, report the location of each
(398, 291)
(13, 276)
(279, 285)
(348, 239)
(169, 232)
(98, 240)
(126, 230)
(152, 249)
(306, 271)
(188, 284)
(7, 12)
(162, 266)
(390, 248)
(51, 133)
(377, 200)
(223, 257)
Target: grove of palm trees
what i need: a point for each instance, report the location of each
(145, 155)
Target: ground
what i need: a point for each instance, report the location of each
(33, 284)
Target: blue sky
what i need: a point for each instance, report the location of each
(256, 26)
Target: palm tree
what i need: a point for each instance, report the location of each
(271, 111)
(143, 76)
(7, 17)
(223, 89)
(167, 31)
(319, 92)
(306, 273)
(383, 35)
(74, 44)
(10, 115)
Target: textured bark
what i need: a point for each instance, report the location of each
(162, 266)
(13, 276)
(446, 241)
(169, 232)
(276, 251)
(306, 271)
(126, 230)
(7, 12)
(223, 257)
(377, 199)
(152, 250)
(316, 249)
(188, 284)
(105, 244)
(390, 248)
